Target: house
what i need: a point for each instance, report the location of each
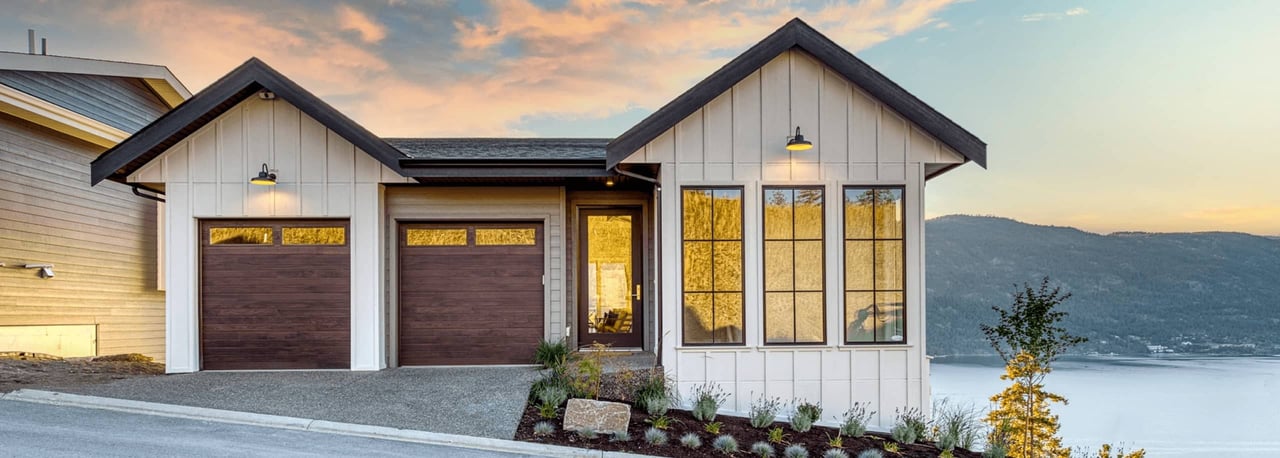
(764, 230)
(78, 266)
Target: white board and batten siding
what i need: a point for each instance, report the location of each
(444, 204)
(739, 139)
(320, 175)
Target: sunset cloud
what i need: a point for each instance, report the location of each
(1037, 17)
(354, 20)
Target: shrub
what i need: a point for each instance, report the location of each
(654, 393)
(914, 419)
(1105, 452)
(550, 397)
(998, 442)
(836, 441)
(956, 425)
(762, 449)
(655, 436)
(588, 433)
(776, 436)
(903, 434)
(707, 399)
(891, 447)
(620, 436)
(835, 453)
(713, 427)
(691, 440)
(552, 379)
(551, 355)
(654, 404)
(804, 416)
(854, 421)
(796, 451)
(870, 453)
(543, 428)
(660, 421)
(586, 377)
(725, 443)
(764, 411)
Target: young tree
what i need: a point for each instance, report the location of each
(1029, 338)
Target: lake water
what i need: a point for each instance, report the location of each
(1171, 406)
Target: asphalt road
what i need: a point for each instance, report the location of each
(38, 430)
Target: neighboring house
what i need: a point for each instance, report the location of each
(698, 234)
(56, 115)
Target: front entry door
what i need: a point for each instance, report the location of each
(610, 284)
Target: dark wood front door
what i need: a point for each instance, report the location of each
(610, 285)
(470, 293)
(275, 295)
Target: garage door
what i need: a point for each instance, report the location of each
(470, 293)
(275, 295)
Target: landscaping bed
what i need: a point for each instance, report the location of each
(20, 370)
(815, 440)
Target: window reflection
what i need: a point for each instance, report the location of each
(313, 235)
(506, 236)
(793, 265)
(712, 258)
(240, 236)
(875, 265)
(436, 237)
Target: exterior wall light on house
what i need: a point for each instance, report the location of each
(798, 143)
(264, 178)
(46, 270)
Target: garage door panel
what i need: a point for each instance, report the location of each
(274, 306)
(472, 304)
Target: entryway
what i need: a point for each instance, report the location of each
(610, 277)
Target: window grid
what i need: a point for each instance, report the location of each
(795, 329)
(713, 238)
(875, 271)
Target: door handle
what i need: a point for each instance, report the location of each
(636, 295)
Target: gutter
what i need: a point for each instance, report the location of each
(154, 196)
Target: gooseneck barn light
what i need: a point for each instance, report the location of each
(264, 178)
(798, 143)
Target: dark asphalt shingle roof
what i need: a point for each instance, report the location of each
(501, 148)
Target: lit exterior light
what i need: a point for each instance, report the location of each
(798, 143)
(265, 177)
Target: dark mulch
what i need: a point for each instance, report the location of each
(740, 428)
(37, 371)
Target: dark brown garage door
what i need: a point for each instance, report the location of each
(275, 295)
(470, 293)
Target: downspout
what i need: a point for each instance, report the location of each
(155, 197)
(657, 254)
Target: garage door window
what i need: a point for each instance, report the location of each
(314, 235)
(436, 237)
(241, 236)
(488, 237)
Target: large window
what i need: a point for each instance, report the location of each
(793, 266)
(712, 236)
(874, 231)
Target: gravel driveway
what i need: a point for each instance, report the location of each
(474, 401)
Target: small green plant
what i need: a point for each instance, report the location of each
(870, 453)
(914, 419)
(654, 404)
(891, 447)
(655, 436)
(804, 416)
(551, 355)
(725, 443)
(691, 440)
(586, 378)
(588, 433)
(776, 435)
(654, 393)
(796, 451)
(947, 454)
(762, 449)
(764, 411)
(835, 453)
(836, 441)
(620, 436)
(998, 441)
(543, 428)
(956, 425)
(551, 379)
(707, 399)
(854, 421)
(903, 434)
(713, 427)
(660, 421)
(550, 398)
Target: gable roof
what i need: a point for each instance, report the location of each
(798, 34)
(250, 77)
(156, 77)
(481, 149)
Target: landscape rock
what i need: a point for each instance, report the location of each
(599, 416)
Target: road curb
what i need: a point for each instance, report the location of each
(302, 424)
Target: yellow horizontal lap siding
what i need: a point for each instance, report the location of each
(101, 241)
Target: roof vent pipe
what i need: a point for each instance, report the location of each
(31, 41)
(44, 46)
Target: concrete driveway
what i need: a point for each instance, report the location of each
(472, 401)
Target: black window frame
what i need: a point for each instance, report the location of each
(844, 239)
(742, 287)
(764, 267)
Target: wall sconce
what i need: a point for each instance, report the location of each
(264, 178)
(46, 270)
(798, 143)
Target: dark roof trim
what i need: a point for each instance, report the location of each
(798, 34)
(502, 168)
(250, 77)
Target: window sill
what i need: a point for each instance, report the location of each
(781, 348)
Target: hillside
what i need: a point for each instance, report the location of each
(1203, 293)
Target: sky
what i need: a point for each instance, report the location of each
(1137, 115)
